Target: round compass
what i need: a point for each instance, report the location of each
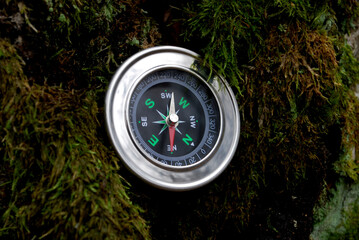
(173, 124)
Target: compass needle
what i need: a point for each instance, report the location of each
(172, 121)
(172, 131)
(172, 104)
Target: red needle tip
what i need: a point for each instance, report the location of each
(172, 131)
(172, 120)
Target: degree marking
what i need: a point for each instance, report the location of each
(208, 145)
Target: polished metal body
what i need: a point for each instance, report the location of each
(116, 108)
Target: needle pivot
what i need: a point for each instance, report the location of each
(173, 119)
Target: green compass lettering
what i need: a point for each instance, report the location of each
(188, 140)
(183, 103)
(153, 140)
(150, 103)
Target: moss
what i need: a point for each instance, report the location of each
(293, 74)
(78, 44)
(58, 180)
(337, 217)
(348, 162)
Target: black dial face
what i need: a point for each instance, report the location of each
(174, 117)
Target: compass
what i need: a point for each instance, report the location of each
(173, 123)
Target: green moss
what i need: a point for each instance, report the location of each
(337, 218)
(286, 60)
(57, 179)
(78, 44)
(294, 76)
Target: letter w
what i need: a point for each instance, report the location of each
(184, 103)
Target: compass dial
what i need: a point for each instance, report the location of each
(172, 123)
(174, 117)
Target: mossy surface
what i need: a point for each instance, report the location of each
(58, 180)
(338, 215)
(289, 66)
(294, 76)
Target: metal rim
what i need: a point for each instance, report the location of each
(123, 82)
